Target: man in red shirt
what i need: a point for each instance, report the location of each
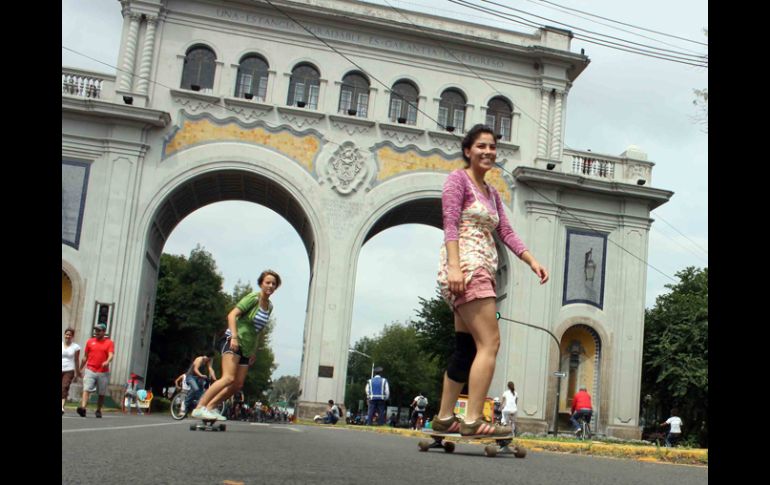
(98, 354)
(581, 406)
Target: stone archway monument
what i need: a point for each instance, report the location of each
(140, 151)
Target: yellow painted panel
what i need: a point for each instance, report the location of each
(66, 289)
(302, 149)
(394, 163)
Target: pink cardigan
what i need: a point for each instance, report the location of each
(458, 195)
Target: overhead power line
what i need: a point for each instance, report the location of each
(623, 23)
(508, 7)
(657, 53)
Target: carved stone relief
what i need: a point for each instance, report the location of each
(346, 169)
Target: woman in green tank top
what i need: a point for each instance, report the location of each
(239, 347)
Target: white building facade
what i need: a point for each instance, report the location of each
(235, 100)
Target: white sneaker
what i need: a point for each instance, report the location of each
(215, 412)
(202, 413)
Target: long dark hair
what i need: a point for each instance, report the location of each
(510, 386)
(470, 138)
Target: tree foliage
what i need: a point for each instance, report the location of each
(285, 388)
(675, 359)
(408, 369)
(190, 308)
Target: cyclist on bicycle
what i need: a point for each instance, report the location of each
(581, 408)
(196, 380)
(419, 403)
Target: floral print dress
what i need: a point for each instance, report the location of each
(476, 243)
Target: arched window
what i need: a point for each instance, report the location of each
(451, 111)
(303, 86)
(199, 69)
(403, 103)
(354, 95)
(499, 115)
(252, 78)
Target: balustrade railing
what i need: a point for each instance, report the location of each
(86, 84)
(593, 166)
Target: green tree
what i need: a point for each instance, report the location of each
(435, 328)
(190, 308)
(285, 388)
(675, 357)
(407, 367)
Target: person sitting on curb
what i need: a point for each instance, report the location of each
(332, 414)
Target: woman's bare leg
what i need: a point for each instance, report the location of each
(237, 384)
(481, 321)
(229, 372)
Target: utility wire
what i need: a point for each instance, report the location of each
(618, 28)
(587, 38)
(623, 23)
(697, 56)
(657, 215)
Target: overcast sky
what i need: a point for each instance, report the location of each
(621, 99)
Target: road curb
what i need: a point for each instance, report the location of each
(594, 448)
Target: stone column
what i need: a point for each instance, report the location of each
(542, 132)
(129, 54)
(556, 145)
(147, 55)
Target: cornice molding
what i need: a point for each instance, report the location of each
(114, 111)
(545, 178)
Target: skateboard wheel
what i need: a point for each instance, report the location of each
(222, 427)
(423, 445)
(449, 447)
(490, 451)
(519, 452)
(193, 427)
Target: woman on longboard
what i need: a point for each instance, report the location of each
(244, 322)
(472, 210)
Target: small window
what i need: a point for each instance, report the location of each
(354, 95)
(252, 78)
(199, 68)
(403, 103)
(303, 87)
(499, 116)
(451, 111)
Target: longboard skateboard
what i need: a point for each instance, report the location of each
(208, 425)
(501, 446)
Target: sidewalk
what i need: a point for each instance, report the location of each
(651, 453)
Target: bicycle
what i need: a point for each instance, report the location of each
(584, 433)
(178, 410)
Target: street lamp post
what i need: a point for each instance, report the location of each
(559, 374)
(367, 356)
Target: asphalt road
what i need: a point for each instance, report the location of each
(155, 449)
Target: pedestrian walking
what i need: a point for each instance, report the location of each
(70, 358)
(99, 352)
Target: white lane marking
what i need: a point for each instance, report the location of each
(117, 427)
(276, 427)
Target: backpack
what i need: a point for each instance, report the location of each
(422, 402)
